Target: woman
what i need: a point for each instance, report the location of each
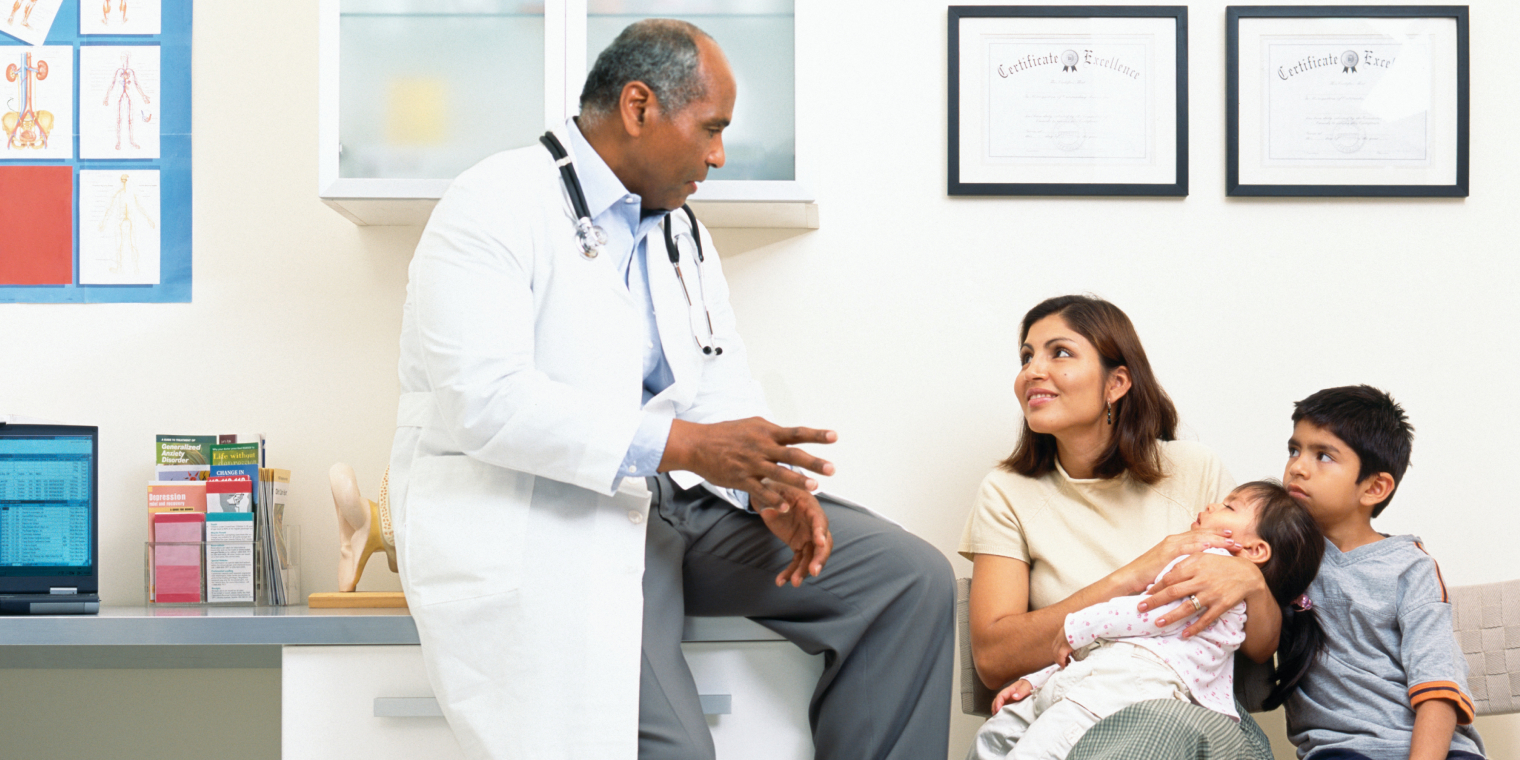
(1074, 516)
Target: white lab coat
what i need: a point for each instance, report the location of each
(521, 372)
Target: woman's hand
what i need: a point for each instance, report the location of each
(1138, 574)
(1218, 583)
(1061, 648)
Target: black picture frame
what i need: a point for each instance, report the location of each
(1234, 183)
(957, 185)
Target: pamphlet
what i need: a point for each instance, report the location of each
(280, 575)
(177, 569)
(185, 449)
(246, 472)
(229, 557)
(175, 496)
(183, 471)
(235, 453)
(229, 494)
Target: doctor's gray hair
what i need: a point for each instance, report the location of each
(661, 53)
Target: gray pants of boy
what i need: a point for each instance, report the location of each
(882, 613)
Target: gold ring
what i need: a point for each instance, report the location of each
(1196, 606)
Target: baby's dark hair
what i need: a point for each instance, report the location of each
(1370, 422)
(1297, 548)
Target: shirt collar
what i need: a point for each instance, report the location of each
(601, 186)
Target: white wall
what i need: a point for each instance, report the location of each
(895, 323)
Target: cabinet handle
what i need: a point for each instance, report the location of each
(407, 707)
(427, 707)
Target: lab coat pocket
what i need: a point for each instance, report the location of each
(474, 652)
(464, 529)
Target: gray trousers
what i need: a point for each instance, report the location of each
(882, 613)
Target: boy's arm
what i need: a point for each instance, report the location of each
(1433, 665)
(1435, 720)
(1433, 668)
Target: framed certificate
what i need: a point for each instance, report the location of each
(1351, 101)
(1068, 100)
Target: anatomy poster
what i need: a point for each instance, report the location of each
(119, 102)
(39, 102)
(115, 17)
(30, 20)
(96, 157)
(118, 227)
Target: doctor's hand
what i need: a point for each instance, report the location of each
(748, 455)
(805, 528)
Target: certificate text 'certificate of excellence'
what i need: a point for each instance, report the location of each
(1334, 100)
(1078, 98)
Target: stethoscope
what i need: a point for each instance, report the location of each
(591, 238)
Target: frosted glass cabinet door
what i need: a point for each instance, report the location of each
(758, 38)
(429, 87)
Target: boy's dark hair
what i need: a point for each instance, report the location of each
(1144, 416)
(1370, 422)
(1297, 548)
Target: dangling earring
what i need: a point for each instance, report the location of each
(1110, 412)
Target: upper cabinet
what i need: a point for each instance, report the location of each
(415, 91)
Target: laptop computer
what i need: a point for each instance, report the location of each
(49, 519)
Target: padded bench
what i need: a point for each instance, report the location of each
(1486, 619)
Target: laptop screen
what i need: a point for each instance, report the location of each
(47, 513)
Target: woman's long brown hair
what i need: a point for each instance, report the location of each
(1142, 417)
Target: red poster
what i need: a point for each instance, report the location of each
(36, 225)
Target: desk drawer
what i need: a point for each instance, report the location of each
(329, 703)
(374, 702)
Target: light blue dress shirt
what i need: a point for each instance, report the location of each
(619, 213)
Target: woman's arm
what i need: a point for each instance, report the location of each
(1220, 583)
(1008, 640)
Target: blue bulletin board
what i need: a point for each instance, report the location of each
(123, 204)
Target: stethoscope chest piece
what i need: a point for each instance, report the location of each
(590, 237)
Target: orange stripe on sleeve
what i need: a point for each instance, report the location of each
(1446, 690)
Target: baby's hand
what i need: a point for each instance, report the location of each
(1015, 692)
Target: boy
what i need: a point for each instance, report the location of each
(1390, 682)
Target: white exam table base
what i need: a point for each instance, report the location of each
(755, 685)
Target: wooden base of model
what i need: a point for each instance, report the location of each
(356, 599)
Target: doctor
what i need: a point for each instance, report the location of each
(582, 456)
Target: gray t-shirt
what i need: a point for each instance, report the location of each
(1388, 647)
